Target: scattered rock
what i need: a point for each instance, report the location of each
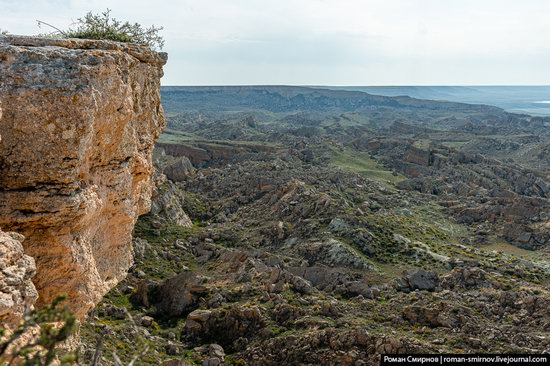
(172, 349)
(465, 278)
(432, 315)
(116, 312)
(147, 321)
(176, 362)
(223, 326)
(140, 247)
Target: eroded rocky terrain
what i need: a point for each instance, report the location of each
(294, 226)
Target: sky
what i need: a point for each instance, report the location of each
(328, 42)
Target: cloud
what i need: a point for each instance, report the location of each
(359, 42)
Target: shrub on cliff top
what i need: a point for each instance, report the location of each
(104, 27)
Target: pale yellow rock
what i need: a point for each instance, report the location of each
(78, 122)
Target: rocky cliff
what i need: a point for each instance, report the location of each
(78, 122)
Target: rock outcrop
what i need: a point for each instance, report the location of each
(78, 122)
(168, 201)
(17, 292)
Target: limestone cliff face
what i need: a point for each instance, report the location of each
(78, 122)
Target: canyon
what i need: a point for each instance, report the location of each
(264, 225)
(328, 227)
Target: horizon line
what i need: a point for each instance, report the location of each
(362, 86)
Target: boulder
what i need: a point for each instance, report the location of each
(179, 294)
(147, 321)
(168, 201)
(179, 170)
(223, 326)
(419, 279)
(140, 246)
(215, 355)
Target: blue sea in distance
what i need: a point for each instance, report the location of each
(534, 100)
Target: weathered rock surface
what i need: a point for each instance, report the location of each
(17, 292)
(78, 123)
(326, 347)
(223, 325)
(179, 169)
(418, 279)
(168, 201)
(180, 294)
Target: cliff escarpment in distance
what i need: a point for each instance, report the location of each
(78, 122)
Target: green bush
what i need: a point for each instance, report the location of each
(104, 27)
(56, 325)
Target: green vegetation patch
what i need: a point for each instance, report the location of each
(362, 163)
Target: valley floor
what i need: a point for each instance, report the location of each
(294, 238)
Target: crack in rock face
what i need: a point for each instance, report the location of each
(78, 122)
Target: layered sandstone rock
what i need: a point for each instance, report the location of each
(78, 123)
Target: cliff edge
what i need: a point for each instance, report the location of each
(78, 120)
